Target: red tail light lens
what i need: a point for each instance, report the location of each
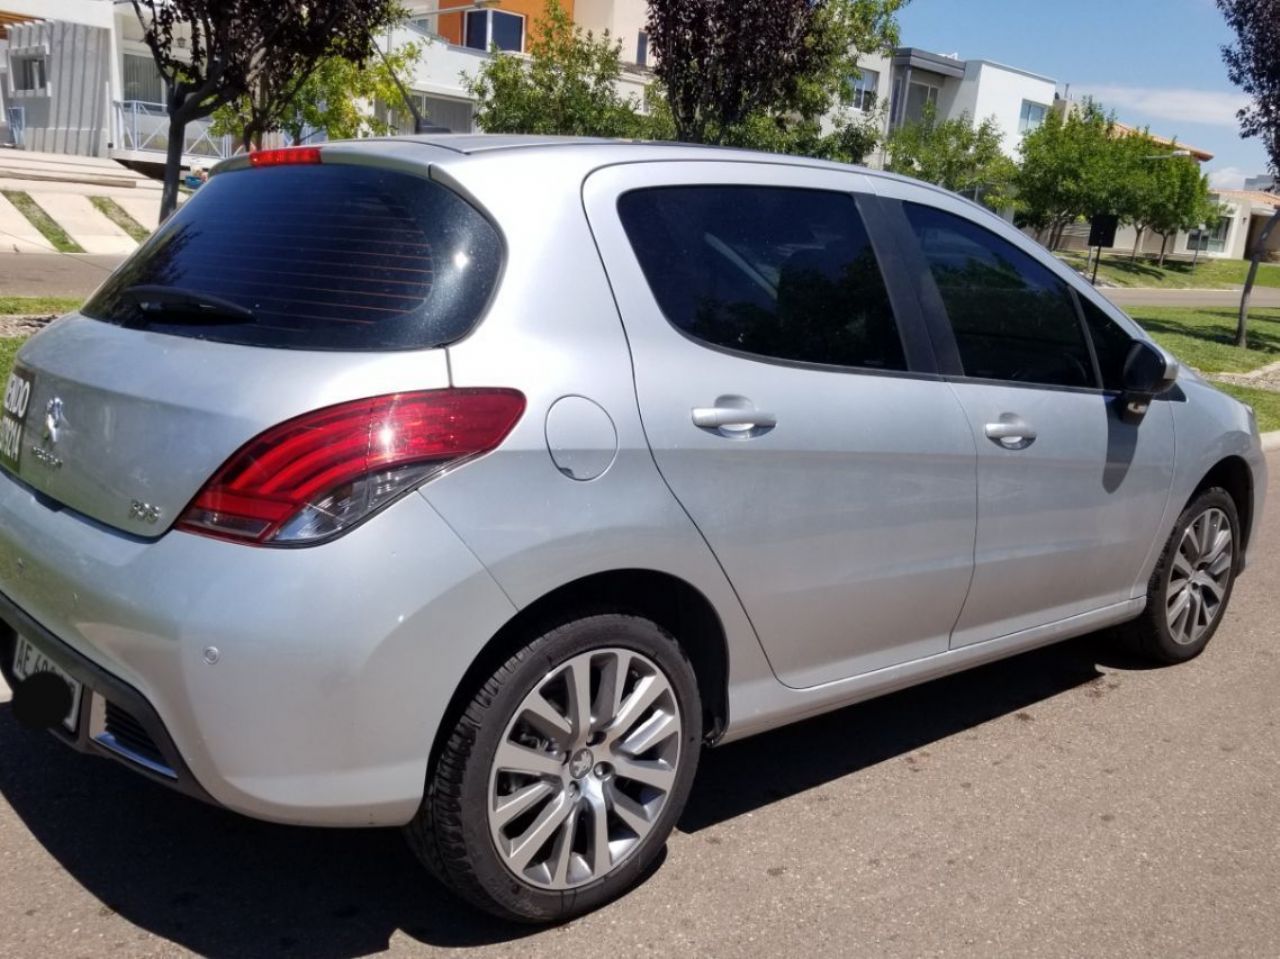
(285, 156)
(312, 477)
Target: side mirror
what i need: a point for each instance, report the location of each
(1148, 372)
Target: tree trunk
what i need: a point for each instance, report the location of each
(172, 167)
(1164, 242)
(1137, 242)
(1259, 250)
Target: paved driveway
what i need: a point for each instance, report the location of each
(1064, 803)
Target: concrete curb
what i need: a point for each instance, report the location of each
(1271, 441)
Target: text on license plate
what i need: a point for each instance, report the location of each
(28, 661)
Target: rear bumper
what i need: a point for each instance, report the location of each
(152, 754)
(334, 664)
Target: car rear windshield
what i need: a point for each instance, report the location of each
(317, 257)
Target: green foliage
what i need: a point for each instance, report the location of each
(330, 99)
(763, 73)
(568, 86)
(1068, 170)
(955, 155)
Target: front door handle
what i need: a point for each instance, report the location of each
(733, 416)
(1012, 432)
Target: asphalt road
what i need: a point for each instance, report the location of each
(1068, 802)
(1125, 298)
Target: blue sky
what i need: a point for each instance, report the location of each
(1154, 62)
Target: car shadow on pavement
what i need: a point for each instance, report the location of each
(820, 750)
(222, 885)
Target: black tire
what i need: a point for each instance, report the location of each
(451, 832)
(1150, 635)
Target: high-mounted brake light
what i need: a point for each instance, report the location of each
(316, 475)
(285, 156)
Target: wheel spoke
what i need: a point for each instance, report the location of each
(648, 734)
(1216, 588)
(524, 848)
(628, 810)
(1182, 566)
(547, 719)
(636, 705)
(613, 681)
(579, 683)
(513, 757)
(562, 852)
(520, 802)
(598, 852)
(650, 773)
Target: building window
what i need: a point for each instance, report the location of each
(865, 88)
(642, 49)
(919, 96)
(495, 28)
(142, 80)
(1210, 241)
(1032, 116)
(29, 74)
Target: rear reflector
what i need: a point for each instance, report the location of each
(316, 475)
(285, 156)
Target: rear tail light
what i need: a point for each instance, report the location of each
(316, 475)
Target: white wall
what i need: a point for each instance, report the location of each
(624, 19)
(994, 90)
(92, 13)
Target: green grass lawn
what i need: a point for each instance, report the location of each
(114, 212)
(1264, 402)
(1206, 275)
(1205, 338)
(8, 349)
(37, 305)
(42, 221)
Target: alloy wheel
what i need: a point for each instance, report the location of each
(584, 768)
(1199, 576)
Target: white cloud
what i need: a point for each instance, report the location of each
(1228, 178)
(1171, 104)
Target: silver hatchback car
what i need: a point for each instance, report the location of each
(474, 485)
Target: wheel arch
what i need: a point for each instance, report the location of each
(1232, 473)
(669, 601)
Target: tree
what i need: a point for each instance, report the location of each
(1253, 64)
(955, 155)
(1070, 169)
(568, 86)
(763, 73)
(211, 52)
(1179, 199)
(334, 99)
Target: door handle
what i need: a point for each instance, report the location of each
(1012, 432)
(733, 416)
(726, 417)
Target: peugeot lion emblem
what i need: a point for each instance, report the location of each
(53, 420)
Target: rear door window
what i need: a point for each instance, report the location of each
(785, 274)
(1013, 319)
(323, 257)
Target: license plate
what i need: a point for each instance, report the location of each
(13, 417)
(28, 661)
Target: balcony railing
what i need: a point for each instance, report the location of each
(144, 127)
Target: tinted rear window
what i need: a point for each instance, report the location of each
(328, 257)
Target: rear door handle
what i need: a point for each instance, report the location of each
(733, 416)
(1012, 432)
